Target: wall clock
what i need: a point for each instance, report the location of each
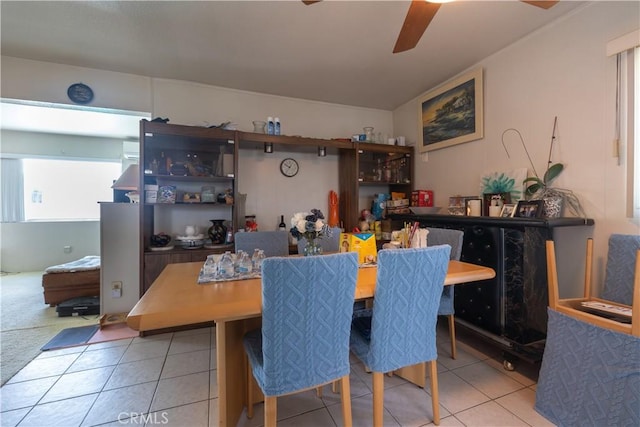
(80, 93)
(289, 167)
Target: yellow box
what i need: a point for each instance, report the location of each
(363, 243)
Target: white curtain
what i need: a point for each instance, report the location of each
(12, 194)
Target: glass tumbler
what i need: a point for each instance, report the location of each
(368, 132)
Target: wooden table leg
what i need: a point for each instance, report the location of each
(416, 374)
(231, 368)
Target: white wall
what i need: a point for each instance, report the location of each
(119, 256)
(561, 70)
(34, 246)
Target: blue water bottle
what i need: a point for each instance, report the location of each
(270, 126)
(277, 126)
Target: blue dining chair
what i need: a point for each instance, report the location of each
(453, 238)
(400, 329)
(274, 243)
(307, 306)
(329, 244)
(590, 370)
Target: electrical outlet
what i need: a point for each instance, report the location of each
(67, 249)
(116, 289)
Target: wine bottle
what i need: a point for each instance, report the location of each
(282, 226)
(162, 165)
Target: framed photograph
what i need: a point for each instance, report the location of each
(494, 199)
(451, 113)
(473, 207)
(528, 209)
(507, 210)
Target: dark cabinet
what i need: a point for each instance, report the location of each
(370, 169)
(183, 170)
(155, 262)
(510, 309)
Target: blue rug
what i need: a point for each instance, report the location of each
(71, 336)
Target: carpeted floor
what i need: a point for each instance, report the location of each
(26, 322)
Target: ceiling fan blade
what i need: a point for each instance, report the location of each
(416, 22)
(308, 2)
(543, 4)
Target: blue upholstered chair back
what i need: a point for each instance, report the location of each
(453, 238)
(403, 324)
(328, 243)
(274, 243)
(618, 282)
(307, 304)
(589, 375)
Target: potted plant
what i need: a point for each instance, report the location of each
(537, 188)
(554, 198)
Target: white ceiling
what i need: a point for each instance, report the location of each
(332, 51)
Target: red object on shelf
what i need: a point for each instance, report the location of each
(422, 198)
(333, 209)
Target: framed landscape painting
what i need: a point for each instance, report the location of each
(452, 113)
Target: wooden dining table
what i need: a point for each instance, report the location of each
(176, 299)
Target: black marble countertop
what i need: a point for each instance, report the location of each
(494, 221)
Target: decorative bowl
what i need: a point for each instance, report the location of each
(191, 243)
(159, 240)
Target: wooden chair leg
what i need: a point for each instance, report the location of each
(378, 399)
(334, 387)
(270, 411)
(452, 335)
(345, 390)
(249, 390)
(319, 392)
(435, 396)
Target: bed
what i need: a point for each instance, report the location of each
(80, 278)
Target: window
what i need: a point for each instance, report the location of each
(635, 159)
(56, 190)
(626, 48)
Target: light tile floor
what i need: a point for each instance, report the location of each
(170, 380)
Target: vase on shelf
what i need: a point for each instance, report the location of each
(313, 248)
(217, 232)
(552, 206)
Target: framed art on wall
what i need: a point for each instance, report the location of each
(452, 113)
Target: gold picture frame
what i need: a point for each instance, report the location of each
(452, 113)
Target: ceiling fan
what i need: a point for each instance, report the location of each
(419, 16)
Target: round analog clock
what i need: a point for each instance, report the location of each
(289, 167)
(80, 93)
